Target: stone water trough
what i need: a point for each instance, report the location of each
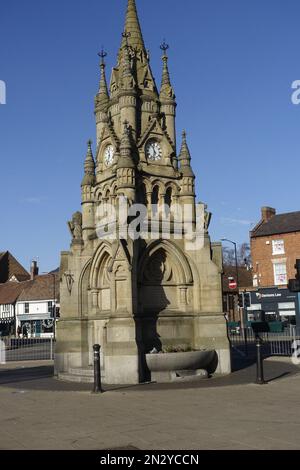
(181, 366)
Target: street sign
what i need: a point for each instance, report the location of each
(232, 284)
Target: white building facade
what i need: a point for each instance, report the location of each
(35, 318)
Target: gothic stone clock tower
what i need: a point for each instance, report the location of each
(155, 290)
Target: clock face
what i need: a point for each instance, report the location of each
(109, 155)
(153, 151)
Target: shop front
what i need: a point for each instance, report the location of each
(35, 328)
(35, 319)
(278, 305)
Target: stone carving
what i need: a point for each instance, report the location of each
(69, 281)
(75, 227)
(207, 219)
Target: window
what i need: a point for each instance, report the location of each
(26, 308)
(280, 274)
(278, 247)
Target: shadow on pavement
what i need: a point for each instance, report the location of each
(42, 378)
(37, 378)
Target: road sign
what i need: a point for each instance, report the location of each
(232, 284)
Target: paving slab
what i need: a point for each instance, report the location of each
(39, 412)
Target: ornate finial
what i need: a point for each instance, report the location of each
(89, 155)
(164, 47)
(166, 90)
(185, 158)
(102, 54)
(102, 97)
(184, 155)
(89, 167)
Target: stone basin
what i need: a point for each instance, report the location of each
(192, 361)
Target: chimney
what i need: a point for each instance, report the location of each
(267, 213)
(34, 270)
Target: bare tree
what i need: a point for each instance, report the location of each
(243, 255)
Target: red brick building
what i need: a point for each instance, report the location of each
(275, 246)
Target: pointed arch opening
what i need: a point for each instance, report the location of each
(155, 200)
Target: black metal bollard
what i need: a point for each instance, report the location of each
(97, 370)
(259, 362)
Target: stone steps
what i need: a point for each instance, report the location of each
(84, 372)
(78, 375)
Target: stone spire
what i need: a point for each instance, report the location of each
(166, 90)
(89, 167)
(102, 98)
(185, 158)
(132, 26)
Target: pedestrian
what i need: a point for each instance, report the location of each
(19, 331)
(25, 332)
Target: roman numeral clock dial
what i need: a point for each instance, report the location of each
(153, 151)
(109, 155)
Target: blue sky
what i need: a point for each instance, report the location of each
(232, 64)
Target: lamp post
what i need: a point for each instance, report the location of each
(54, 303)
(237, 271)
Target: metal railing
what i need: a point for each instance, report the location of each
(275, 344)
(26, 349)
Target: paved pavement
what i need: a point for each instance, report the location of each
(39, 412)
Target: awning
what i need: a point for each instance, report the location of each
(40, 316)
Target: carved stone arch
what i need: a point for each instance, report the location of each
(165, 280)
(114, 190)
(185, 275)
(114, 193)
(160, 185)
(101, 258)
(155, 195)
(196, 282)
(175, 188)
(106, 192)
(84, 286)
(100, 279)
(98, 194)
